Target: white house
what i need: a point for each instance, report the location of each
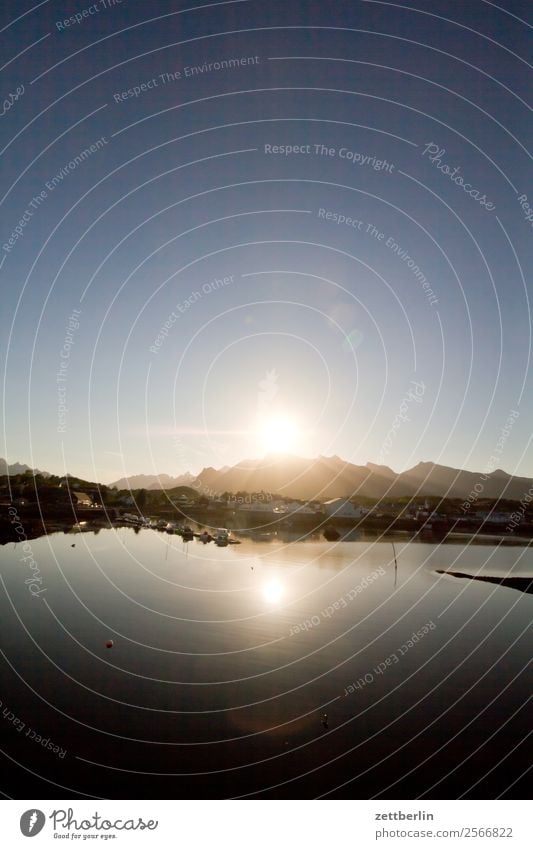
(82, 499)
(497, 518)
(302, 509)
(292, 507)
(254, 507)
(343, 509)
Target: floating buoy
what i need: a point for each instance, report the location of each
(109, 644)
(325, 720)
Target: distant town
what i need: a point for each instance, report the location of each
(42, 503)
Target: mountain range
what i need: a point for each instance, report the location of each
(331, 477)
(154, 481)
(18, 469)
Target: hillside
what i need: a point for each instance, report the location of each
(153, 481)
(332, 477)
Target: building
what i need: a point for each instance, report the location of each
(497, 518)
(342, 508)
(255, 507)
(183, 500)
(82, 499)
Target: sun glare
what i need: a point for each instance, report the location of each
(278, 435)
(272, 592)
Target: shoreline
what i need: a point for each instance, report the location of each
(89, 520)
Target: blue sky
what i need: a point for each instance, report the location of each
(329, 210)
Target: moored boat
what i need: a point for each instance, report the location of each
(221, 536)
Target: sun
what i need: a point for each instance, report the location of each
(278, 435)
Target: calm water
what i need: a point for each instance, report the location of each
(225, 659)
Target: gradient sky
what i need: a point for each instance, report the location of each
(213, 291)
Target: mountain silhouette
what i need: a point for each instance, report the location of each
(331, 477)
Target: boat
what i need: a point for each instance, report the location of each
(132, 519)
(222, 536)
(205, 537)
(187, 534)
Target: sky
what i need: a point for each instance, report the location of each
(235, 228)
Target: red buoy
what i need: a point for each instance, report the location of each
(109, 644)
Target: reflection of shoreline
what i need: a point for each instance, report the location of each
(95, 519)
(524, 585)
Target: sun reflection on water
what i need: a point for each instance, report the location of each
(273, 591)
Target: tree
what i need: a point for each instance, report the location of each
(103, 492)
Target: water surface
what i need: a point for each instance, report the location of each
(224, 661)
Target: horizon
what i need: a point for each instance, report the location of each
(275, 458)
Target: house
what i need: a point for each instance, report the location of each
(82, 499)
(284, 508)
(497, 518)
(342, 508)
(301, 509)
(255, 507)
(183, 500)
